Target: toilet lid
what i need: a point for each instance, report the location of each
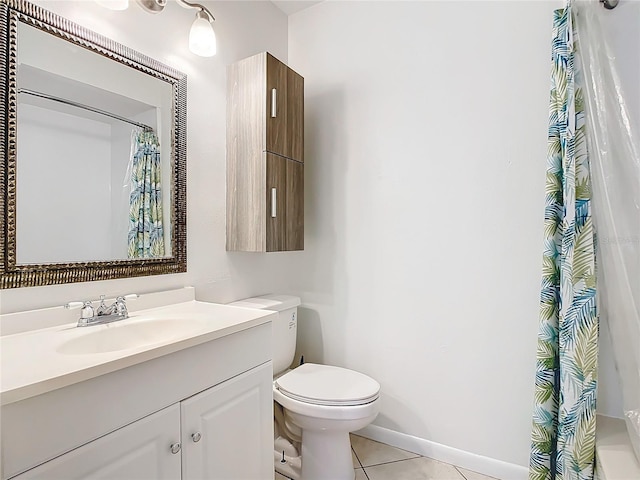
(327, 385)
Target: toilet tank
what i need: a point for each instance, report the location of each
(283, 328)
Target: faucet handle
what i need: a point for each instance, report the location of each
(87, 308)
(124, 298)
(73, 305)
(121, 305)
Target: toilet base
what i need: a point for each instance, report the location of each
(320, 446)
(286, 459)
(323, 432)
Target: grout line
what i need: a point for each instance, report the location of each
(359, 462)
(458, 470)
(283, 476)
(393, 461)
(390, 447)
(357, 458)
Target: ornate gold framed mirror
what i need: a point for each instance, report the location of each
(93, 155)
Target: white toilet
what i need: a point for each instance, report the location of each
(316, 406)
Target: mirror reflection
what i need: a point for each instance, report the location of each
(94, 156)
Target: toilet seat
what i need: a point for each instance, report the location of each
(328, 386)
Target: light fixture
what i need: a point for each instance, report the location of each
(114, 4)
(202, 38)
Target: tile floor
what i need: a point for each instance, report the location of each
(377, 461)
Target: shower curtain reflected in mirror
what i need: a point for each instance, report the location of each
(146, 233)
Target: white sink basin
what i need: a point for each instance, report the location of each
(37, 361)
(125, 335)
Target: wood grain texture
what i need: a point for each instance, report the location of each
(295, 116)
(246, 169)
(276, 134)
(259, 151)
(276, 226)
(294, 226)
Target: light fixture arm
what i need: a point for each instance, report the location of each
(201, 7)
(152, 6)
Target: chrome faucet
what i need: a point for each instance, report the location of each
(103, 314)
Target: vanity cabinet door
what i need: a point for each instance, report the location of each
(141, 450)
(228, 429)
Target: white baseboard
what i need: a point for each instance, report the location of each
(460, 458)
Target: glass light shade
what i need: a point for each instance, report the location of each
(114, 4)
(202, 38)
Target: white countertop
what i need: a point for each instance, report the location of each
(33, 362)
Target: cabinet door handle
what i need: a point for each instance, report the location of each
(175, 448)
(274, 208)
(196, 437)
(274, 101)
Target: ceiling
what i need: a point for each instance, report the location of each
(290, 7)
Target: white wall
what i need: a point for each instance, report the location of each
(426, 135)
(243, 29)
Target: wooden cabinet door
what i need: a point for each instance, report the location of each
(285, 204)
(141, 450)
(228, 429)
(294, 237)
(276, 198)
(276, 99)
(295, 116)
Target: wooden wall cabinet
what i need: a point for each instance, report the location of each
(265, 156)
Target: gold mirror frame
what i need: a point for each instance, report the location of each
(15, 276)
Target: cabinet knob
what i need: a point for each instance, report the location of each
(175, 448)
(196, 436)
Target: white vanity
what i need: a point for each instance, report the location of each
(181, 391)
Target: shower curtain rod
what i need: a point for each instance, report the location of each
(85, 107)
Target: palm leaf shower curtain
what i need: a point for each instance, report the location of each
(563, 430)
(146, 233)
